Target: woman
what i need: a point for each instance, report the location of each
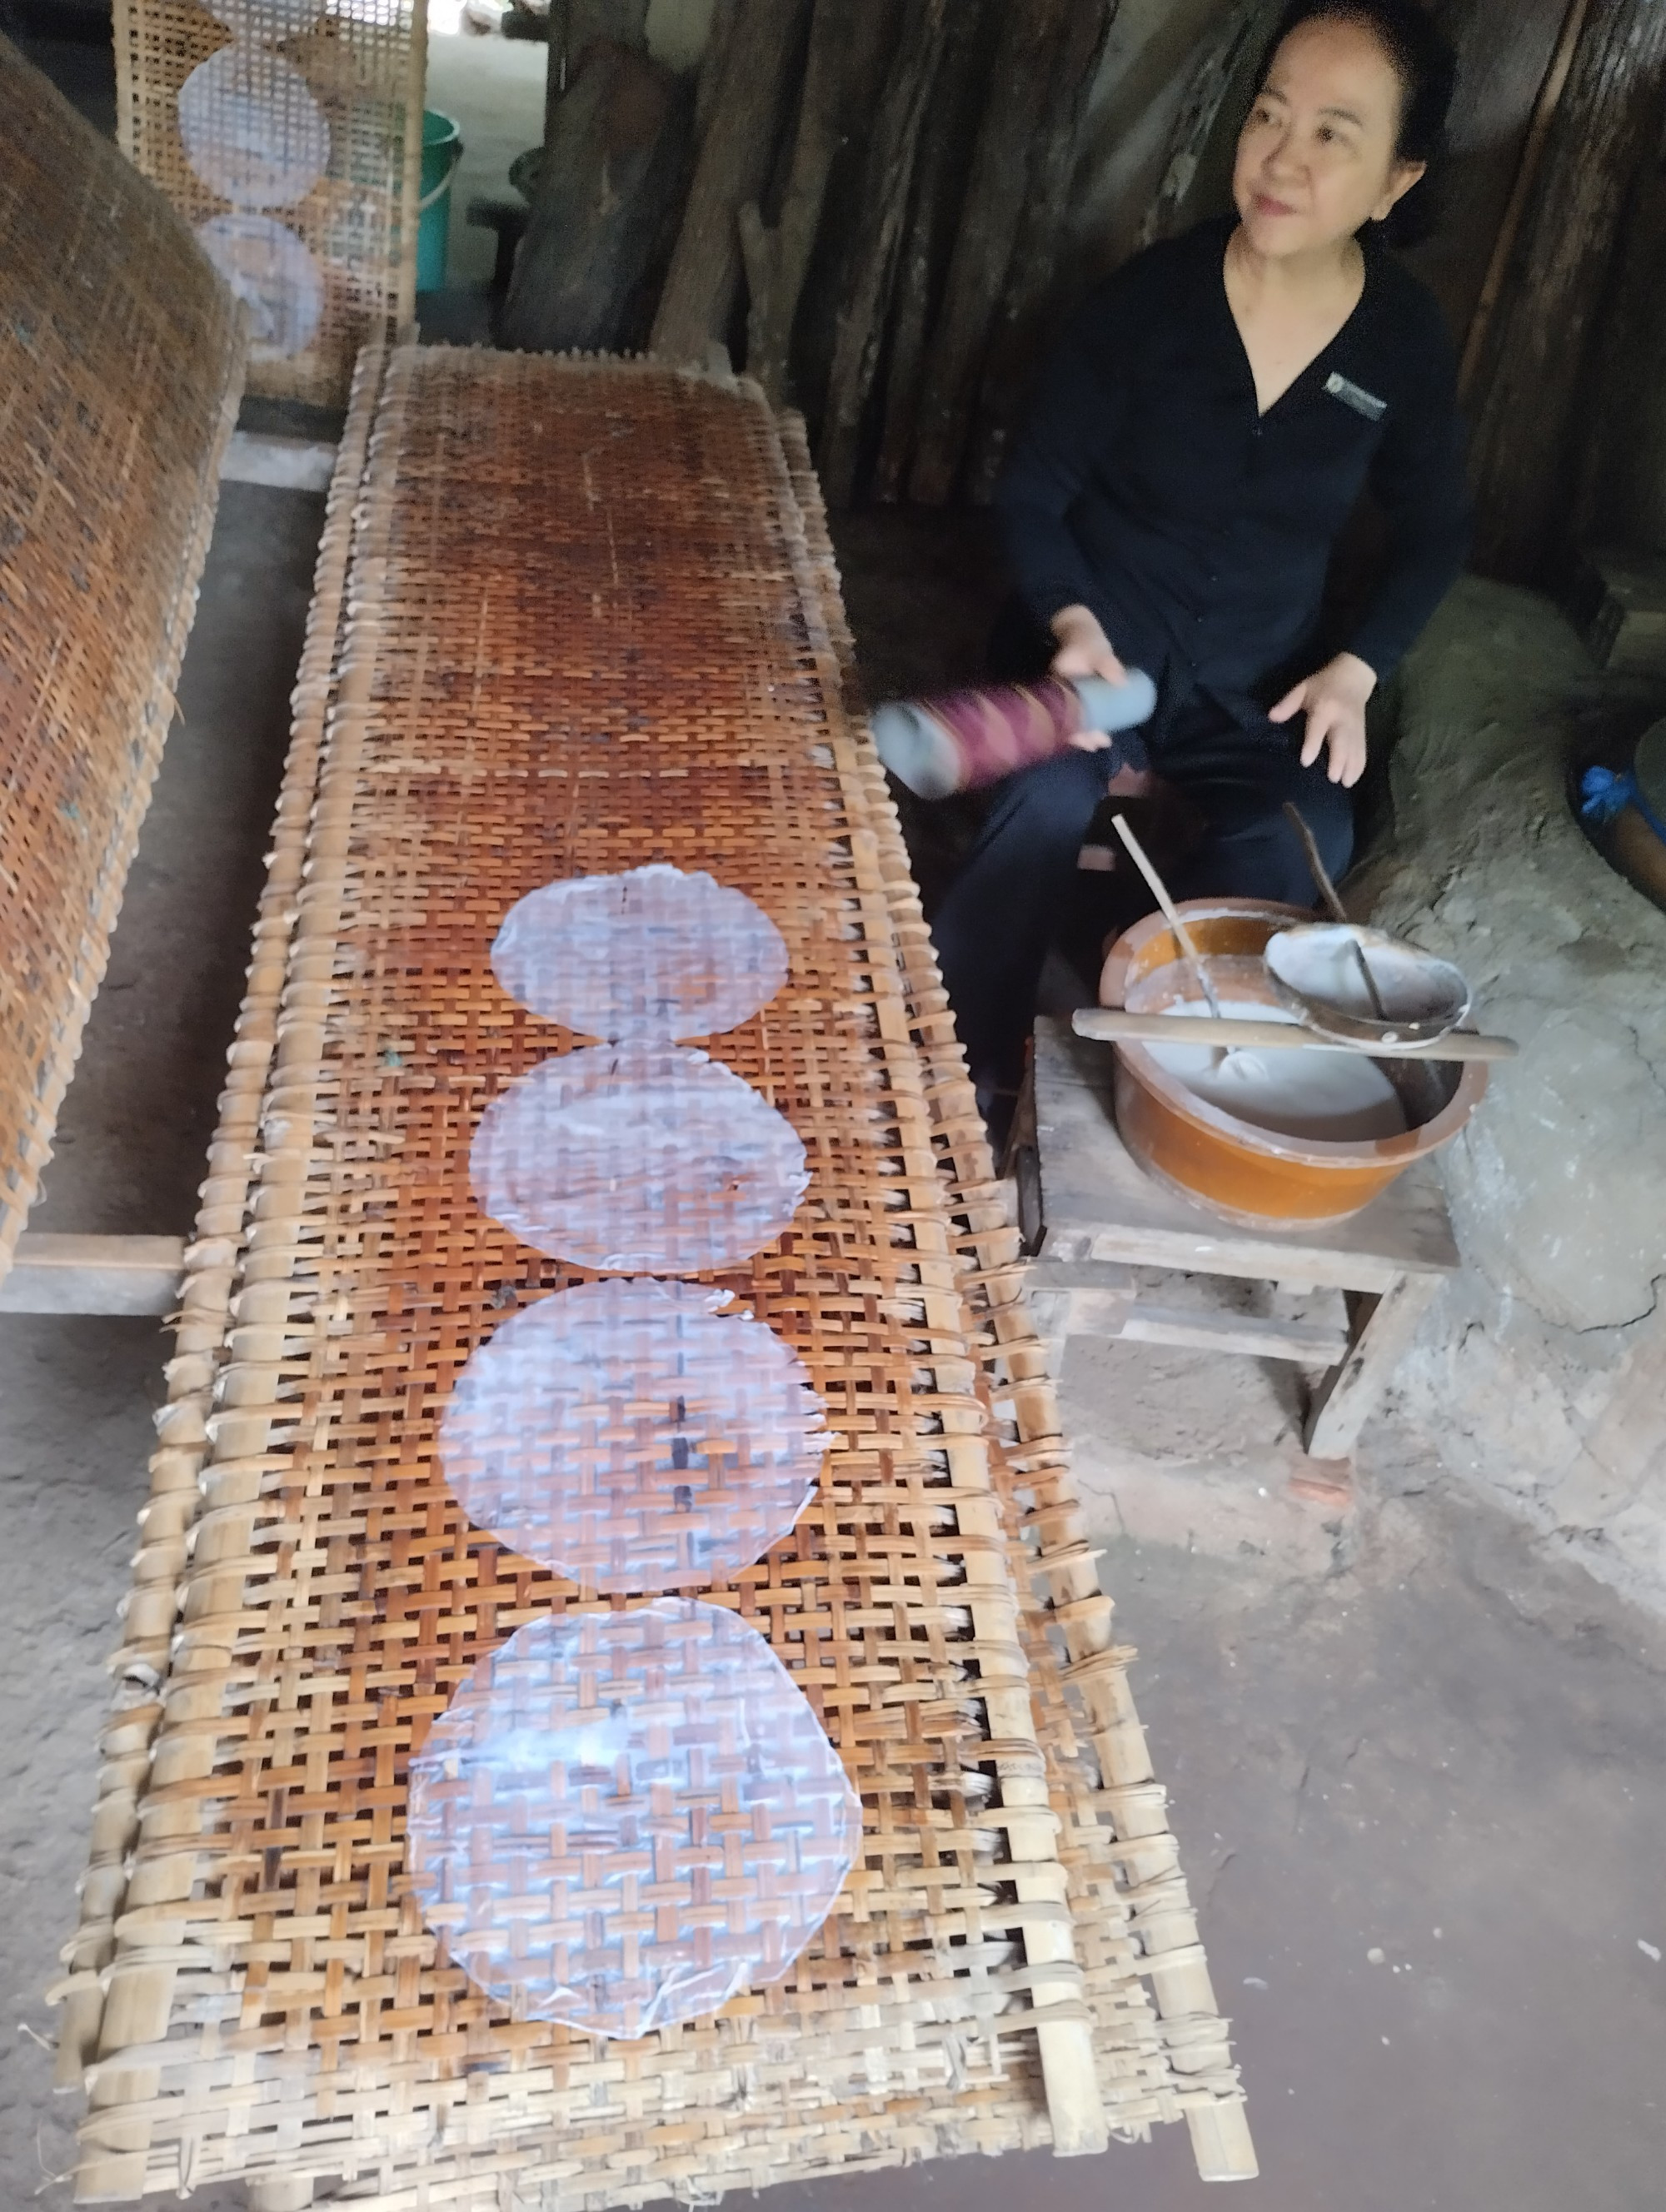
(1197, 444)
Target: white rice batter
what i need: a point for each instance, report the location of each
(1337, 1096)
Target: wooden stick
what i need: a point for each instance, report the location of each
(1159, 891)
(872, 264)
(777, 260)
(1116, 1025)
(732, 164)
(1332, 898)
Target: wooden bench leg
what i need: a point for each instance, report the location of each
(1348, 1397)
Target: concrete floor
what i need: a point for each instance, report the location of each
(1418, 1769)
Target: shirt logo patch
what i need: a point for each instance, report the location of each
(1356, 397)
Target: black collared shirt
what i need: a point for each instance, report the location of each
(1147, 486)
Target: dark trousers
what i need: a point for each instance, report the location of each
(992, 930)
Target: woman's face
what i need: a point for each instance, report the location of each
(1316, 160)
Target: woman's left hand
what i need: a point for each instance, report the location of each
(1334, 702)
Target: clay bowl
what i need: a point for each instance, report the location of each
(1249, 1174)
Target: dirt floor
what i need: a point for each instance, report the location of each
(1417, 1766)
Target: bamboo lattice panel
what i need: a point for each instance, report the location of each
(119, 360)
(288, 133)
(575, 618)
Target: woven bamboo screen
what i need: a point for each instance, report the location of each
(120, 357)
(288, 134)
(573, 618)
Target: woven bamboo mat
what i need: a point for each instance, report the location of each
(576, 617)
(288, 134)
(120, 363)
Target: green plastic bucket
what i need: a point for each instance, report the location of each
(442, 149)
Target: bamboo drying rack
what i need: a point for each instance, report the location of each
(573, 617)
(120, 367)
(364, 65)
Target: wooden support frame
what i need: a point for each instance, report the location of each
(1092, 1216)
(58, 1275)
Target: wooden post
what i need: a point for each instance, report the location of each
(1017, 335)
(732, 163)
(873, 265)
(778, 259)
(1533, 355)
(939, 178)
(1007, 143)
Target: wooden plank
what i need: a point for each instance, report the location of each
(778, 258)
(1017, 327)
(1008, 143)
(1504, 55)
(939, 179)
(872, 270)
(1532, 356)
(1092, 1189)
(1350, 1393)
(61, 1275)
(286, 463)
(1247, 1334)
(613, 168)
(732, 164)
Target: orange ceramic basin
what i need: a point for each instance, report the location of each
(1252, 1174)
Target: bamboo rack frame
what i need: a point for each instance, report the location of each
(481, 709)
(363, 65)
(120, 367)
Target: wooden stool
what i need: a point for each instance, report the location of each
(1091, 1214)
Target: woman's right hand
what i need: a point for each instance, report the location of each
(1085, 650)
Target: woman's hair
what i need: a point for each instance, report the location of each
(1426, 66)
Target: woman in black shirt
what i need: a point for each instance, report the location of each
(1197, 444)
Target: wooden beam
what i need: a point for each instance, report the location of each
(730, 170)
(59, 1274)
(286, 464)
(1307, 1344)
